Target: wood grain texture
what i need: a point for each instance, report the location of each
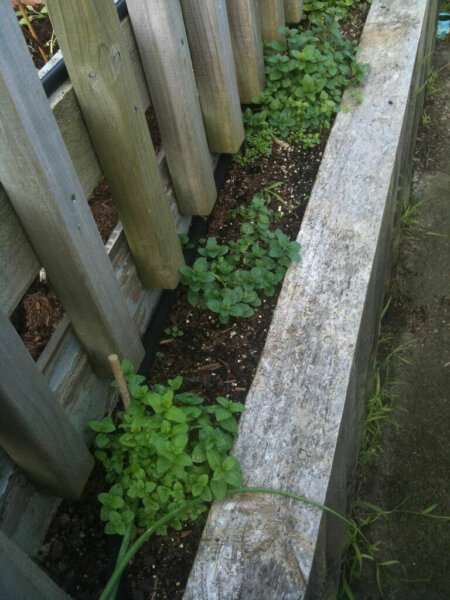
(301, 428)
(164, 50)
(246, 41)
(100, 70)
(293, 10)
(18, 262)
(34, 429)
(209, 38)
(21, 578)
(53, 210)
(272, 18)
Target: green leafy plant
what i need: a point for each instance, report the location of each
(32, 14)
(230, 278)
(173, 332)
(185, 242)
(305, 78)
(167, 459)
(167, 449)
(316, 10)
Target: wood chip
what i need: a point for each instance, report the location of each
(212, 367)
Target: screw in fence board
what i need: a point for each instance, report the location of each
(34, 429)
(21, 578)
(89, 34)
(272, 18)
(39, 178)
(247, 48)
(162, 41)
(212, 56)
(293, 10)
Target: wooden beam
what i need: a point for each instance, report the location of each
(293, 10)
(162, 41)
(34, 429)
(247, 47)
(21, 578)
(41, 183)
(99, 66)
(272, 18)
(212, 56)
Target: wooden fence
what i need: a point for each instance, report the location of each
(198, 60)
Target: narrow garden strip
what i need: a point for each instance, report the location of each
(267, 195)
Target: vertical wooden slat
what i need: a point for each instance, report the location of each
(212, 56)
(247, 47)
(162, 41)
(293, 10)
(88, 32)
(34, 430)
(39, 178)
(272, 18)
(21, 578)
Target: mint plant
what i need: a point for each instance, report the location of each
(167, 449)
(306, 75)
(315, 10)
(229, 279)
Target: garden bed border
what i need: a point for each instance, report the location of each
(304, 411)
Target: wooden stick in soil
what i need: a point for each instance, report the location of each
(118, 374)
(21, 7)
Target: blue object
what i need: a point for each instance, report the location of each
(443, 25)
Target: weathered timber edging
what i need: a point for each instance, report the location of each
(301, 428)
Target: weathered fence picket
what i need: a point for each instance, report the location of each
(246, 41)
(212, 56)
(34, 430)
(21, 578)
(293, 10)
(164, 50)
(272, 18)
(89, 34)
(53, 210)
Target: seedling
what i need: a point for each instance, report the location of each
(173, 332)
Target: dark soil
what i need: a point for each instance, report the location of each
(37, 317)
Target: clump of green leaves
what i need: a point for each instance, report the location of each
(185, 242)
(316, 10)
(229, 279)
(305, 78)
(173, 332)
(167, 449)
